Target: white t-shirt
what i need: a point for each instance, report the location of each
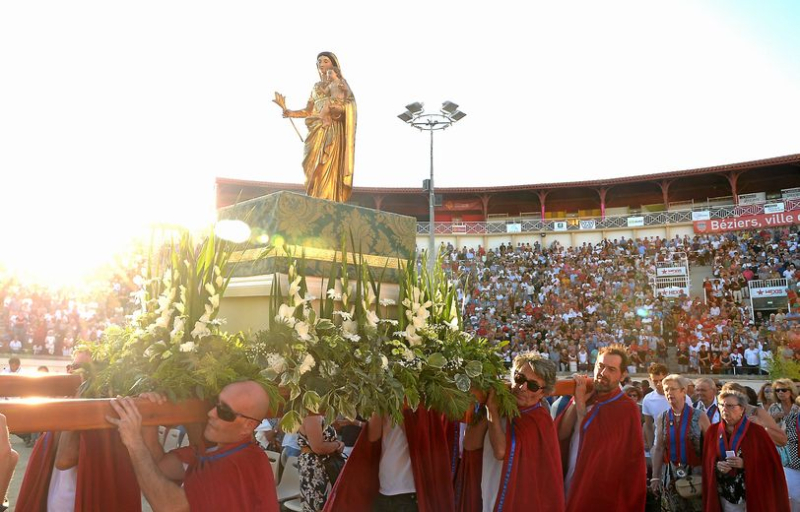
(751, 355)
(654, 404)
(394, 471)
(492, 474)
(63, 485)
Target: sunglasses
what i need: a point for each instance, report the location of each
(781, 390)
(225, 413)
(533, 386)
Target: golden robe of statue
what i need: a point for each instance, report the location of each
(330, 144)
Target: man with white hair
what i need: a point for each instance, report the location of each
(706, 390)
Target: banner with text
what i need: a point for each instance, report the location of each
(746, 222)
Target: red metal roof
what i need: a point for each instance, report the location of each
(741, 166)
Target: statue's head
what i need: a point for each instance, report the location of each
(326, 61)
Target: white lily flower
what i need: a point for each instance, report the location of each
(294, 287)
(189, 346)
(302, 330)
(307, 364)
(350, 326)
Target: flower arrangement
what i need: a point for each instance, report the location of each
(353, 359)
(173, 343)
(345, 353)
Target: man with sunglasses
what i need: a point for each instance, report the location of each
(233, 475)
(606, 466)
(501, 454)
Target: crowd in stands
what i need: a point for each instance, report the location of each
(568, 302)
(36, 320)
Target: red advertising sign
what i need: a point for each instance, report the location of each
(746, 222)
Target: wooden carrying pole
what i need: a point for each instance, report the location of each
(42, 384)
(41, 415)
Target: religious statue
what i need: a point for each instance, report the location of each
(331, 121)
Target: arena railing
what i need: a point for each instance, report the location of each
(514, 225)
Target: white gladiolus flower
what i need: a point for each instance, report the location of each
(452, 324)
(302, 330)
(418, 322)
(408, 354)
(210, 289)
(189, 346)
(163, 321)
(180, 307)
(138, 281)
(200, 330)
(219, 281)
(413, 338)
(307, 364)
(384, 362)
(214, 300)
(372, 319)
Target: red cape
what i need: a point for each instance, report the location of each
(236, 477)
(36, 483)
(610, 473)
(531, 468)
(431, 463)
(106, 480)
(764, 480)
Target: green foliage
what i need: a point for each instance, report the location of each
(782, 368)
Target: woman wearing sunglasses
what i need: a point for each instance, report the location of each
(786, 413)
(677, 452)
(502, 454)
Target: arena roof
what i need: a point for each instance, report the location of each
(689, 184)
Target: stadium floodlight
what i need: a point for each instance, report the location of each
(415, 108)
(416, 117)
(449, 108)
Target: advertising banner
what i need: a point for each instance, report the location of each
(746, 222)
(588, 224)
(560, 225)
(635, 222)
(773, 208)
(702, 215)
(670, 271)
(772, 291)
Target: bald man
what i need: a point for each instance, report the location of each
(234, 475)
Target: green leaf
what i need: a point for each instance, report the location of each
(291, 422)
(474, 369)
(463, 382)
(437, 360)
(311, 401)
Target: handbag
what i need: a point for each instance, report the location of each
(333, 465)
(688, 486)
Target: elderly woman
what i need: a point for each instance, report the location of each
(759, 416)
(678, 445)
(501, 455)
(741, 468)
(786, 413)
(766, 395)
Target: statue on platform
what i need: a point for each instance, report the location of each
(331, 121)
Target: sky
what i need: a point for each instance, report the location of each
(118, 115)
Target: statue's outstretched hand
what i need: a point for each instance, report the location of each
(280, 100)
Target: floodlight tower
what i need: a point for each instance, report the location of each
(416, 116)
